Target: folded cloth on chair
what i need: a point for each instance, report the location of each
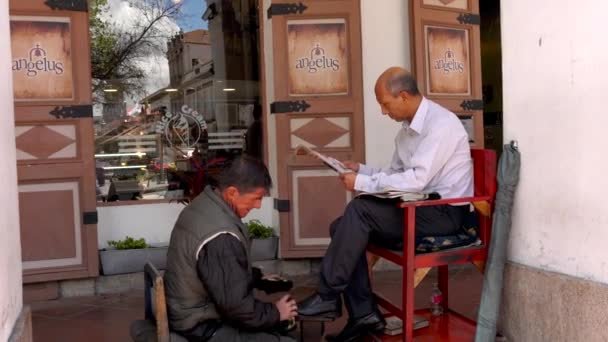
(469, 236)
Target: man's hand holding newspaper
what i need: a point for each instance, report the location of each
(333, 163)
(348, 174)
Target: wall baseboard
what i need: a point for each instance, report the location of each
(539, 305)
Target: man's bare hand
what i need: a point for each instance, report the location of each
(351, 165)
(349, 180)
(288, 309)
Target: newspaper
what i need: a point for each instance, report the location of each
(340, 168)
(333, 163)
(404, 196)
(394, 326)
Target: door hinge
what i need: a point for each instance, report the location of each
(68, 5)
(470, 19)
(69, 112)
(472, 105)
(284, 9)
(282, 206)
(89, 217)
(289, 106)
(210, 13)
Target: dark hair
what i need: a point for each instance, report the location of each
(402, 82)
(246, 174)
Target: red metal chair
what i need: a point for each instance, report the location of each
(415, 267)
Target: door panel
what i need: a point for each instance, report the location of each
(317, 59)
(447, 59)
(51, 233)
(54, 140)
(311, 220)
(55, 194)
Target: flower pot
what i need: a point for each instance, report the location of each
(117, 261)
(264, 249)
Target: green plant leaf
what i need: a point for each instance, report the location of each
(129, 243)
(257, 230)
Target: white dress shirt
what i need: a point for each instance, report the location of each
(432, 154)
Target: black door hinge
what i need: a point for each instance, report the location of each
(289, 106)
(89, 217)
(284, 9)
(68, 5)
(210, 13)
(468, 18)
(282, 206)
(70, 112)
(472, 105)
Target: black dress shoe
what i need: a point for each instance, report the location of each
(274, 285)
(359, 327)
(316, 306)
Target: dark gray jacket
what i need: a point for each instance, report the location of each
(206, 218)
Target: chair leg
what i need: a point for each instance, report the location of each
(443, 286)
(372, 259)
(407, 307)
(408, 304)
(420, 274)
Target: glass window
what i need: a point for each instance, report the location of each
(176, 96)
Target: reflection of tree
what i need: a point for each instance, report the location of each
(117, 50)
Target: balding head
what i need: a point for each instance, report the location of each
(395, 80)
(397, 93)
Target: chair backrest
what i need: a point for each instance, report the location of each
(484, 172)
(156, 307)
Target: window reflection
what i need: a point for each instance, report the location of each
(172, 140)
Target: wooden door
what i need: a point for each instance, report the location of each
(447, 59)
(317, 102)
(54, 139)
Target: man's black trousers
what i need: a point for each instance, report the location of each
(380, 221)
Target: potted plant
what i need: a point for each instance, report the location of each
(130, 255)
(264, 241)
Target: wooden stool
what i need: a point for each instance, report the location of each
(321, 320)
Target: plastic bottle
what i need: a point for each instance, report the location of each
(436, 301)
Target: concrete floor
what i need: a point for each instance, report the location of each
(107, 318)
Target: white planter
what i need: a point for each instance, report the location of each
(264, 249)
(117, 261)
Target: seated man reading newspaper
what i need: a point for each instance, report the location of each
(432, 154)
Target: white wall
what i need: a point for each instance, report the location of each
(386, 42)
(153, 222)
(264, 214)
(11, 300)
(554, 73)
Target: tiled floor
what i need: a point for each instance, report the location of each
(107, 318)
